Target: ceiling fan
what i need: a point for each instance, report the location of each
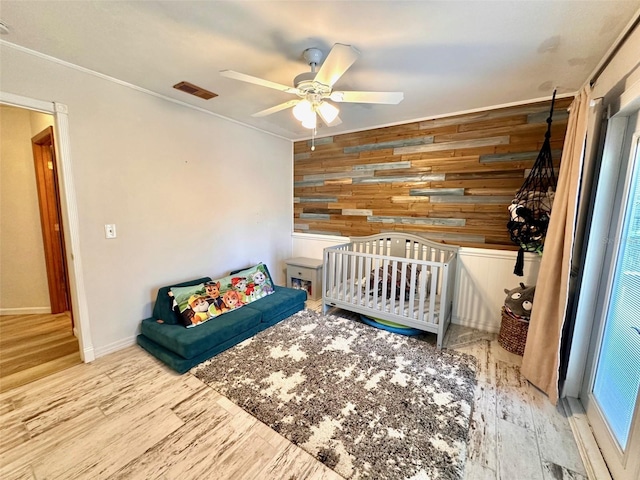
(314, 89)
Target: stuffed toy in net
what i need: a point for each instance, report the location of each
(531, 208)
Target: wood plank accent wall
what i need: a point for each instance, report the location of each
(450, 179)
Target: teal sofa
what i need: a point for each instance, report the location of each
(181, 348)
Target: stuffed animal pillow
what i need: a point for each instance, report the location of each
(195, 304)
(519, 301)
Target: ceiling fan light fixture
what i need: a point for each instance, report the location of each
(303, 110)
(328, 111)
(311, 121)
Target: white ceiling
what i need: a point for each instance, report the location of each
(446, 56)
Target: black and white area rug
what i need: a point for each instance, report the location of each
(366, 402)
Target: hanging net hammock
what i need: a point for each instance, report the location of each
(531, 208)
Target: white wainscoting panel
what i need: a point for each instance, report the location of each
(483, 274)
(311, 246)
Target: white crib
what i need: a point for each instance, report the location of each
(398, 277)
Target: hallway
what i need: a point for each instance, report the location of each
(35, 346)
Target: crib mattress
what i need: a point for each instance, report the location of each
(341, 294)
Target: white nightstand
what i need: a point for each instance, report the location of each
(305, 273)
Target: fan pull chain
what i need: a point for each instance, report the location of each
(313, 140)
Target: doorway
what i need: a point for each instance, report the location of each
(60, 112)
(611, 388)
(37, 336)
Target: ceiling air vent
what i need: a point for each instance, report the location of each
(192, 89)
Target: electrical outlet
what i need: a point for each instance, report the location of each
(110, 231)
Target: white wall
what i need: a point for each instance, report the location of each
(191, 194)
(483, 274)
(23, 274)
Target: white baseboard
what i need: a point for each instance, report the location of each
(491, 327)
(114, 347)
(26, 311)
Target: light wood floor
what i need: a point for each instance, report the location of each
(515, 432)
(34, 346)
(126, 416)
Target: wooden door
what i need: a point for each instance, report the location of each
(51, 220)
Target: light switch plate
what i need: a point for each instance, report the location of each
(110, 230)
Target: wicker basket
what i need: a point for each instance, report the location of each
(513, 334)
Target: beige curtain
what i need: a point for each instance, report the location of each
(541, 358)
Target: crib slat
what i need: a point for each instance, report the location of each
(403, 282)
(358, 284)
(353, 278)
(343, 275)
(385, 284)
(339, 256)
(445, 303)
(449, 274)
(345, 266)
(435, 274)
(338, 274)
(365, 279)
(412, 292)
(397, 291)
(423, 293)
(348, 292)
(376, 279)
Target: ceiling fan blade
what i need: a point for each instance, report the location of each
(277, 108)
(340, 58)
(368, 97)
(258, 81)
